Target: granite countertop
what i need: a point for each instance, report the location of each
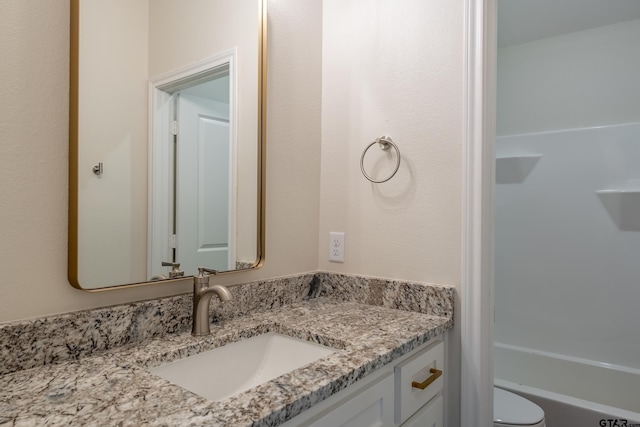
(114, 387)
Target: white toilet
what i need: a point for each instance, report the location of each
(511, 410)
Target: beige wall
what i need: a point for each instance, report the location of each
(34, 43)
(393, 68)
(408, 228)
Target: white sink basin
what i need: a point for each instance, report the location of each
(236, 367)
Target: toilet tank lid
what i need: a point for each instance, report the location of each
(509, 408)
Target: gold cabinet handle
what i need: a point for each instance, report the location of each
(435, 374)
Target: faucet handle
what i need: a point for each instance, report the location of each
(175, 269)
(202, 279)
(203, 270)
(170, 264)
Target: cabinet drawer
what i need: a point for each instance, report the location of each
(432, 415)
(418, 368)
(370, 407)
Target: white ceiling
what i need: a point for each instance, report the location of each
(520, 21)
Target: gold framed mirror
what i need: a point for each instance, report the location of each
(167, 131)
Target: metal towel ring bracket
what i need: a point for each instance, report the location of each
(385, 142)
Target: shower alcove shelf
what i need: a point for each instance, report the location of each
(515, 169)
(623, 206)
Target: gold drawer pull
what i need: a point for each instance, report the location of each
(435, 374)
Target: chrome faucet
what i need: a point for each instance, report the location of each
(202, 294)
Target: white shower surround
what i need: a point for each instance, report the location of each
(566, 273)
(564, 88)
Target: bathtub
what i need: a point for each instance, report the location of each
(572, 391)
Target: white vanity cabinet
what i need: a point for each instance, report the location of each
(389, 397)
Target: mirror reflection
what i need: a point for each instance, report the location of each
(165, 144)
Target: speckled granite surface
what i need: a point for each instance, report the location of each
(31, 343)
(114, 388)
(410, 296)
(88, 368)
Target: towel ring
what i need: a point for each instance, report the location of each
(385, 142)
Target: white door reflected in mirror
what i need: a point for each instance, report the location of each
(203, 181)
(201, 173)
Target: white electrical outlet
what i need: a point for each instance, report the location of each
(336, 246)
